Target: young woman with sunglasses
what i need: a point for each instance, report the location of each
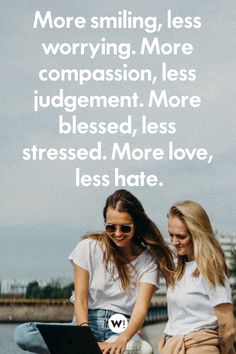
(115, 272)
(200, 311)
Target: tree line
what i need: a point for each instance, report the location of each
(50, 291)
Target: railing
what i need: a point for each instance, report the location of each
(33, 302)
(157, 312)
(59, 310)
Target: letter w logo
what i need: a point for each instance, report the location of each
(116, 323)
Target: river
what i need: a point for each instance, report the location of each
(7, 344)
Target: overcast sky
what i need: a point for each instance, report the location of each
(43, 214)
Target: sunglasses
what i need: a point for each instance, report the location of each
(125, 228)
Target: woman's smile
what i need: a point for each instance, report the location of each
(119, 221)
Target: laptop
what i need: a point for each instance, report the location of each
(69, 339)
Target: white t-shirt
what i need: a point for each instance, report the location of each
(191, 303)
(105, 290)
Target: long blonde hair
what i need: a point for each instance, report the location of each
(146, 235)
(208, 253)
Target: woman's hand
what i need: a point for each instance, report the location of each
(226, 329)
(116, 347)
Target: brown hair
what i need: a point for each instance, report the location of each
(146, 234)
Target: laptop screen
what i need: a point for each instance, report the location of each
(69, 339)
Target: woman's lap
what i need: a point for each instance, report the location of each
(28, 337)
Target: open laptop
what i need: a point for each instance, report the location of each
(69, 339)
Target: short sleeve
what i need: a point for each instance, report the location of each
(80, 255)
(148, 272)
(219, 294)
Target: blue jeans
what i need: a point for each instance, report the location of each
(98, 322)
(28, 337)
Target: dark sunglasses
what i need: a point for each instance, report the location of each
(125, 228)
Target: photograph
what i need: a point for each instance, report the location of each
(118, 169)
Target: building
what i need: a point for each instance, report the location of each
(13, 286)
(228, 243)
(19, 286)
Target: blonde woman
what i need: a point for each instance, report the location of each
(201, 319)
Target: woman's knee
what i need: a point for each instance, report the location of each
(27, 337)
(137, 344)
(146, 347)
(22, 335)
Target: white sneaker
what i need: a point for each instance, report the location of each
(133, 347)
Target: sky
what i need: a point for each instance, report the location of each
(43, 214)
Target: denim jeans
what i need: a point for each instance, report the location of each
(28, 337)
(98, 322)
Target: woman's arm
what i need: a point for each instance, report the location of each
(81, 283)
(145, 292)
(226, 330)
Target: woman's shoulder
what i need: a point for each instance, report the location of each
(218, 284)
(87, 250)
(93, 240)
(87, 244)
